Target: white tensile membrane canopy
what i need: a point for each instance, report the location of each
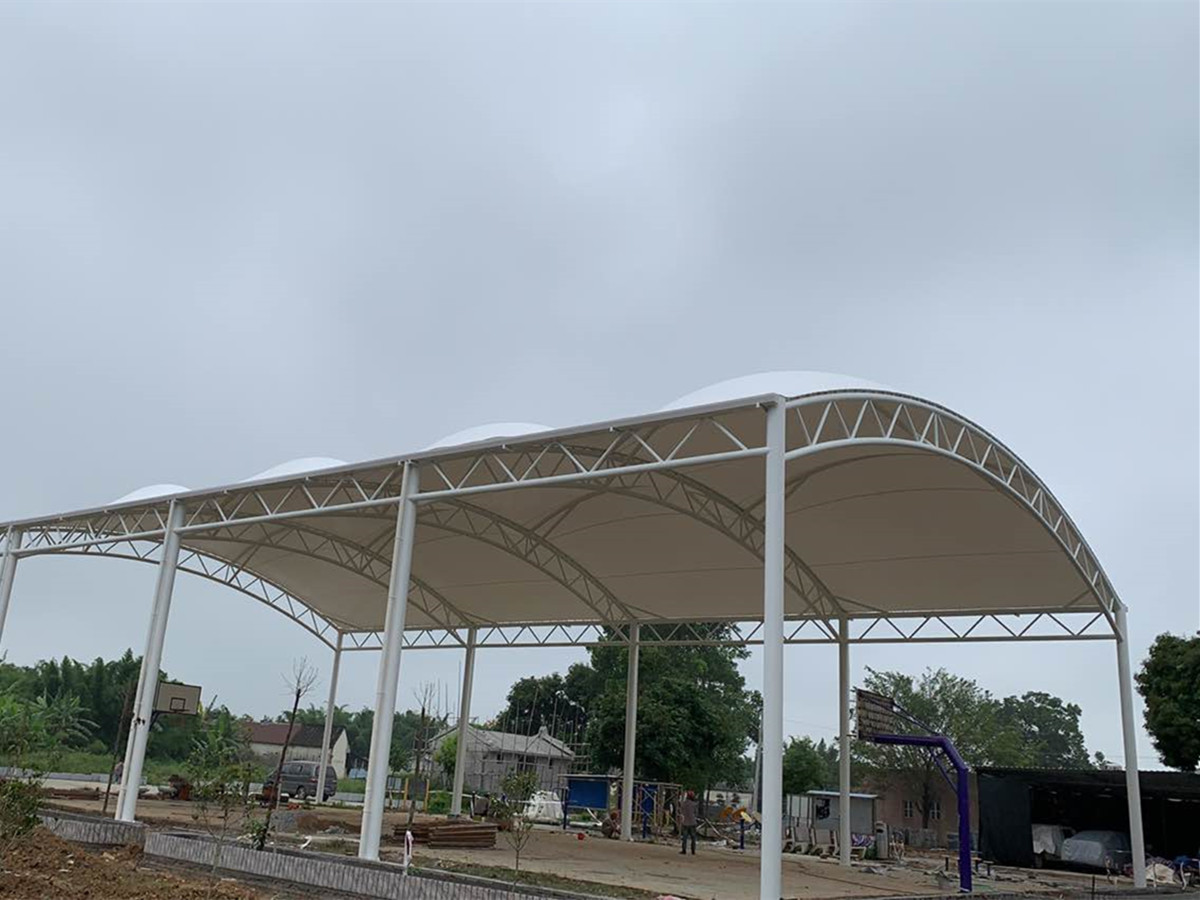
(902, 521)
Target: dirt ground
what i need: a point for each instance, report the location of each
(714, 872)
(45, 867)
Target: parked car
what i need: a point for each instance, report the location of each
(299, 781)
(1098, 850)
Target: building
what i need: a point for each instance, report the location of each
(1012, 801)
(899, 805)
(266, 740)
(491, 755)
(815, 816)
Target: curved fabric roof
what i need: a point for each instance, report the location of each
(895, 507)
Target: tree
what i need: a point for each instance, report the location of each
(554, 702)
(218, 767)
(695, 716)
(64, 721)
(304, 677)
(447, 755)
(517, 787)
(807, 766)
(1041, 731)
(1169, 682)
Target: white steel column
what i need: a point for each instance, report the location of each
(464, 719)
(389, 665)
(8, 570)
(1129, 732)
(143, 708)
(771, 858)
(330, 709)
(631, 700)
(844, 742)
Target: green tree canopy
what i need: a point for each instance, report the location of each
(1041, 731)
(695, 716)
(1169, 682)
(808, 766)
(555, 702)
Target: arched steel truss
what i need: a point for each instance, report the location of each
(640, 460)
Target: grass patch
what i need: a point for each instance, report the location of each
(536, 879)
(352, 785)
(84, 762)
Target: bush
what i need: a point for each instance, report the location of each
(19, 801)
(439, 803)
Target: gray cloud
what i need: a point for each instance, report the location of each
(232, 235)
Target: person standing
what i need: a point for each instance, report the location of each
(687, 821)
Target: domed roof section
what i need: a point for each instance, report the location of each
(297, 466)
(488, 432)
(786, 384)
(151, 491)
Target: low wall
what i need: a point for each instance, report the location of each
(351, 876)
(84, 829)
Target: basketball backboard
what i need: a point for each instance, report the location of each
(177, 699)
(874, 714)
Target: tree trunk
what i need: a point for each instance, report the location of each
(287, 741)
(126, 712)
(418, 752)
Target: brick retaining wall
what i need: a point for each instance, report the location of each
(84, 829)
(351, 876)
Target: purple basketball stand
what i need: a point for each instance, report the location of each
(876, 718)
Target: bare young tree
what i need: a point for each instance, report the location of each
(300, 685)
(425, 695)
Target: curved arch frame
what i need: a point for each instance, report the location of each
(824, 425)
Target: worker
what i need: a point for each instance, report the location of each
(611, 827)
(687, 821)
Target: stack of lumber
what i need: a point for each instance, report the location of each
(447, 835)
(420, 831)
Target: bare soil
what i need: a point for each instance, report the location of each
(45, 867)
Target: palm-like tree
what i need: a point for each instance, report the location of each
(64, 721)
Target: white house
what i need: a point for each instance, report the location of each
(491, 755)
(266, 740)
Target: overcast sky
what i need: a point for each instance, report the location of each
(231, 235)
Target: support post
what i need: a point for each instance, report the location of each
(147, 689)
(330, 710)
(8, 571)
(1129, 733)
(389, 665)
(771, 857)
(464, 719)
(844, 742)
(631, 699)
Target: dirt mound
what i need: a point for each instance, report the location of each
(45, 867)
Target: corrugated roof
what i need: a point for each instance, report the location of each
(1180, 785)
(540, 744)
(302, 736)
